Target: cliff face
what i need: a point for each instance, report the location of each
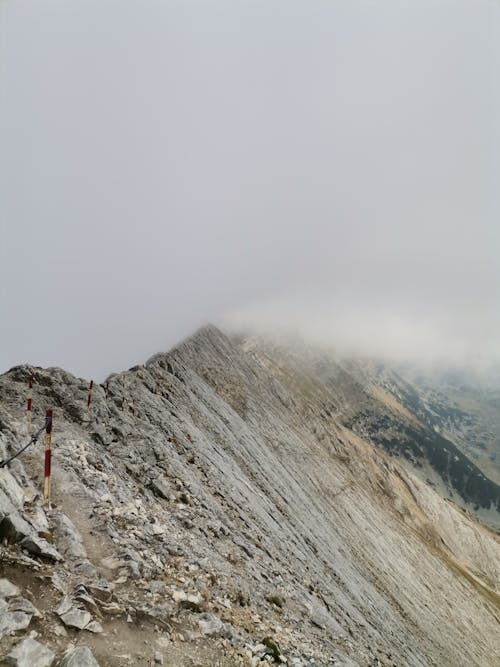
(230, 502)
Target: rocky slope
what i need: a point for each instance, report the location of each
(219, 508)
(465, 409)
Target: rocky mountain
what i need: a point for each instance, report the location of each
(464, 408)
(239, 502)
(433, 430)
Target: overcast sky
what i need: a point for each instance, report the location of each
(327, 165)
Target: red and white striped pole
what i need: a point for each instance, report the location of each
(48, 456)
(30, 400)
(89, 397)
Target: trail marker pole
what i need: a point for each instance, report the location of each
(30, 401)
(48, 456)
(89, 397)
(123, 403)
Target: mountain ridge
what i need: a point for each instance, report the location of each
(235, 485)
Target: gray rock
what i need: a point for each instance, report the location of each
(39, 547)
(24, 605)
(11, 488)
(13, 621)
(75, 618)
(69, 540)
(212, 626)
(79, 657)
(8, 589)
(29, 653)
(157, 587)
(95, 627)
(295, 662)
(192, 601)
(161, 489)
(14, 527)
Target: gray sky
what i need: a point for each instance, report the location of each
(330, 166)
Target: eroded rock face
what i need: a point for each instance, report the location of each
(234, 506)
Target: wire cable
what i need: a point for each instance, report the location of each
(34, 439)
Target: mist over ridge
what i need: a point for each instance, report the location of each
(159, 171)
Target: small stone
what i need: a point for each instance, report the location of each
(158, 658)
(212, 626)
(156, 586)
(192, 601)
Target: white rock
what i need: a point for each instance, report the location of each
(8, 589)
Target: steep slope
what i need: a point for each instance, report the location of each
(231, 505)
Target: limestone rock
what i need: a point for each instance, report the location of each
(81, 656)
(69, 540)
(212, 626)
(72, 616)
(40, 547)
(24, 605)
(161, 489)
(8, 589)
(192, 601)
(11, 488)
(29, 653)
(13, 621)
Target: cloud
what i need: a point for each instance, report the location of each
(333, 166)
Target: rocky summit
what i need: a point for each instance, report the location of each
(240, 502)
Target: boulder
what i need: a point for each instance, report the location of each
(13, 621)
(29, 653)
(72, 616)
(12, 525)
(38, 546)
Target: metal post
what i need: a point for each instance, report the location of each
(30, 400)
(89, 397)
(48, 456)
